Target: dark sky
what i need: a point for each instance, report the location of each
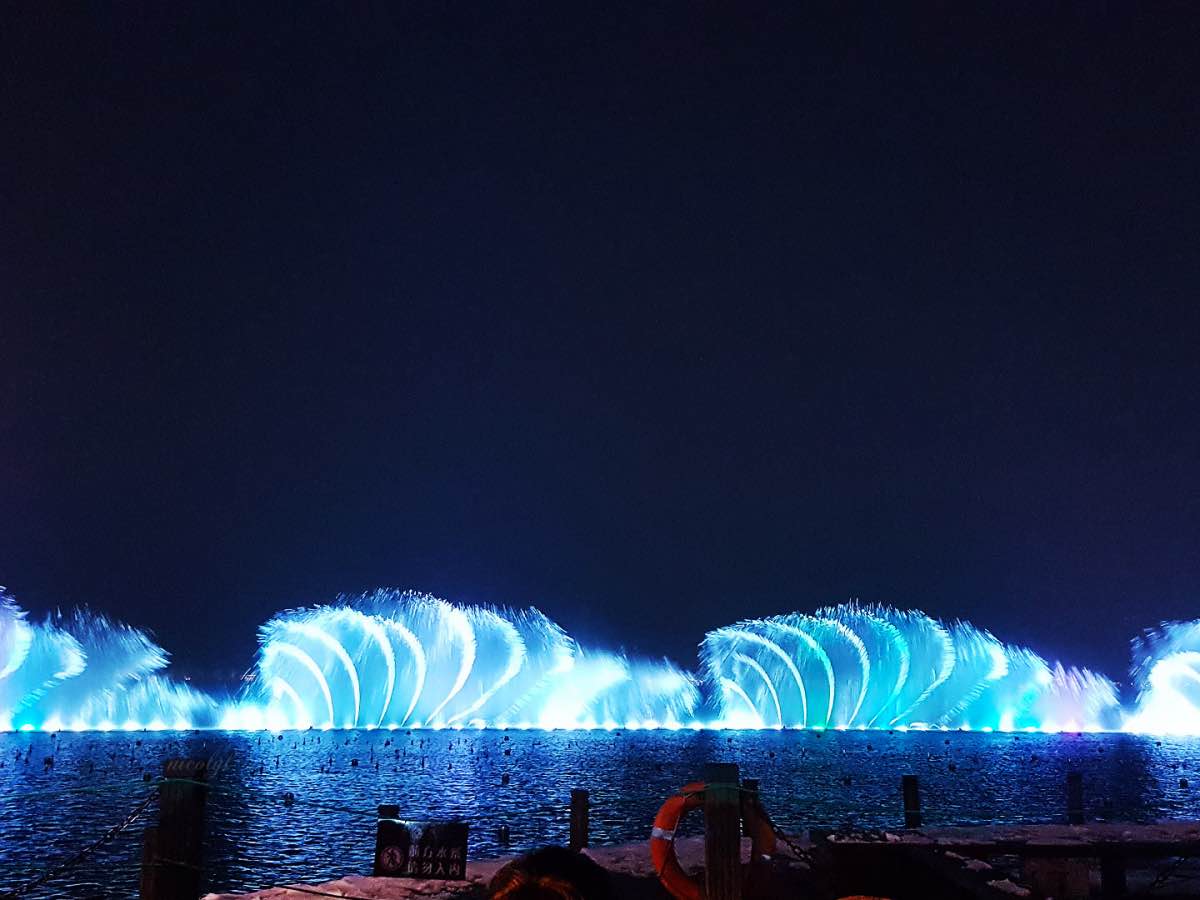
(656, 318)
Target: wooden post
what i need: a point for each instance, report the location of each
(579, 819)
(722, 832)
(750, 801)
(148, 889)
(1074, 798)
(912, 801)
(758, 881)
(172, 853)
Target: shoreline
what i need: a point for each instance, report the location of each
(1014, 861)
(629, 865)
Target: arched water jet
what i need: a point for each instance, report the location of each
(901, 669)
(392, 659)
(467, 666)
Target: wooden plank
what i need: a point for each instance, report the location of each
(722, 832)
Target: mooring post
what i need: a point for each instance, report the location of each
(1074, 798)
(758, 882)
(912, 801)
(579, 819)
(173, 852)
(750, 801)
(147, 889)
(722, 832)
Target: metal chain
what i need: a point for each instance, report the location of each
(802, 854)
(1168, 872)
(806, 855)
(68, 863)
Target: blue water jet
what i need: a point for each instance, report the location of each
(858, 666)
(392, 659)
(84, 672)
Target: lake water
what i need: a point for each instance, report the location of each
(807, 779)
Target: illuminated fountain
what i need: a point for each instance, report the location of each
(391, 660)
(85, 672)
(1167, 671)
(854, 666)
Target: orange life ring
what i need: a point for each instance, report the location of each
(662, 838)
(662, 842)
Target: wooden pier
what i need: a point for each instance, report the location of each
(1064, 861)
(1039, 860)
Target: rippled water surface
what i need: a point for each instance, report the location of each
(807, 778)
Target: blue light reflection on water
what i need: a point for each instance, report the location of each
(807, 778)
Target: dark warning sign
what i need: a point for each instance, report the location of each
(406, 849)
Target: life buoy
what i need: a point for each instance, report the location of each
(662, 838)
(662, 842)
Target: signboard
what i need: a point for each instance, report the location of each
(420, 849)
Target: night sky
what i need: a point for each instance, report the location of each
(655, 317)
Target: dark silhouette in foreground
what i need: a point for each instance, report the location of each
(551, 873)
